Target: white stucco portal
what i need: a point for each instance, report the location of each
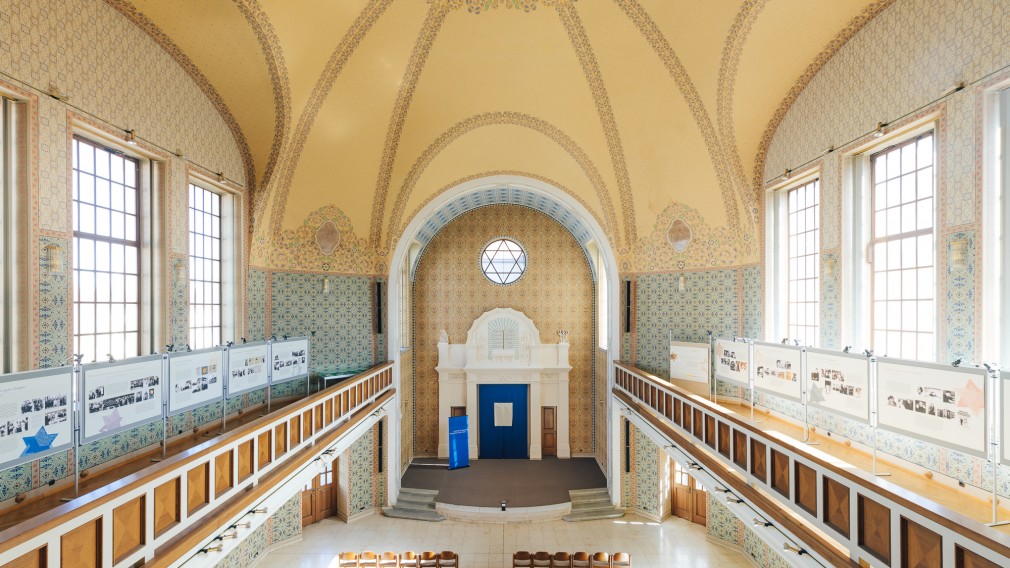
(401, 255)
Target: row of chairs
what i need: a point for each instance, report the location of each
(524, 559)
(427, 559)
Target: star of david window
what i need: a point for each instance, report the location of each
(503, 261)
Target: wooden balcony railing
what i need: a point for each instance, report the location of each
(163, 512)
(875, 521)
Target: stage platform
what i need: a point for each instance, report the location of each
(524, 483)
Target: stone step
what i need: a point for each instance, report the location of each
(594, 506)
(425, 493)
(588, 494)
(398, 513)
(402, 503)
(612, 513)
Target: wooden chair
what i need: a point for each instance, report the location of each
(580, 560)
(522, 559)
(620, 560)
(542, 559)
(601, 560)
(347, 560)
(448, 559)
(561, 560)
(389, 560)
(428, 559)
(368, 559)
(408, 560)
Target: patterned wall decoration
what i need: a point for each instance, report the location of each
(726, 527)
(283, 525)
(341, 319)
(296, 249)
(69, 44)
(959, 301)
(640, 488)
(711, 247)
(831, 301)
(179, 309)
(54, 326)
(753, 303)
(406, 394)
(709, 302)
(361, 474)
(600, 385)
(556, 292)
(256, 305)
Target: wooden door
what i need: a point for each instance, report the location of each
(319, 497)
(681, 492)
(549, 425)
(689, 497)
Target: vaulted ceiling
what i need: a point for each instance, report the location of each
(375, 106)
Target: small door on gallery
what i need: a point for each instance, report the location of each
(319, 497)
(503, 419)
(549, 439)
(689, 497)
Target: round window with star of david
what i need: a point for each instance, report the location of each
(503, 261)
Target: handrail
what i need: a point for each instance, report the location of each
(721, 440)
(114, 522)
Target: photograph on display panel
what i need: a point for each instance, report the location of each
(939, 404)
(115, 396)
(36, 417)
(194, 379)
(839, 382)
(689, 361)
(247, 367)
(777, 370)
(732, 361)
(290, 360)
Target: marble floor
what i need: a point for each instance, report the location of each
(674, 542)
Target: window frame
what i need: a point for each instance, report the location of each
(141, 209)
(777, 246)
(192, 188)
(232, 245)
(995, 217)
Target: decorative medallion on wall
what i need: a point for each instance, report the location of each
(328, 237)
(679, 235)
(503, 261)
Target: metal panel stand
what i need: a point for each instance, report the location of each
(164, 409)
(994, 443)
(874, 415)
(751, 377)
(76, 413)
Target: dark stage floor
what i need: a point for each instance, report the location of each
(525, 483)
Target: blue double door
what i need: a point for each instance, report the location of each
(504, 442)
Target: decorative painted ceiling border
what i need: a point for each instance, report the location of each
(415, 66)
(274, 56)
(130, 12)
(281, 185)
(608, 230)
(504, 118)
(654, 36)
(591, 69)
(841, 38)
(725, 90)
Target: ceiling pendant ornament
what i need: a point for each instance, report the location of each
(679, 235)
(479, 6)
(328, 237)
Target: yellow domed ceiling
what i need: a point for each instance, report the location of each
(360, 111)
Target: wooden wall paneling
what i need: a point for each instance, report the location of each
(307, 424)
(837, 506)
(805, 478)
(328, 412)
(223, 479)
(38, 558)
(725, 440)
(246, 460)
(759, 460)
(676, 410)
(920, 547)
(128, 528)
(780, 472)
(668, 406)
(699, 423)
(263, 450)
(317, 413)
(294, 430)
(281, 439)
(82, 547)
(740, 449)
(964, 558)
(874, 528)
(167, 505)
(710, 431)
(197, 487)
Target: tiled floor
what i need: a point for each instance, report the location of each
(674, 542)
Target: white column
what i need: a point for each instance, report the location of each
(564, 428)
(614, 449)
(471, 410)
(536, 417)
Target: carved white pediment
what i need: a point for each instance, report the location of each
(503, 334)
